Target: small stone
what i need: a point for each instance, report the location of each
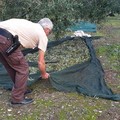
(9, 110)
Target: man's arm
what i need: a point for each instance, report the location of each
(41, 65)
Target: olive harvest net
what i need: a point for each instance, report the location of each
(86, 77)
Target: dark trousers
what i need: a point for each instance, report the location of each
(16, 66)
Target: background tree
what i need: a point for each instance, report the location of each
(115, 8)
(62, 12)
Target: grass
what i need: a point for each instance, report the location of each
(114, 21)
(83, 108)
(110, 26)
(112, 54)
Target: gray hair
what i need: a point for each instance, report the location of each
(46, 23)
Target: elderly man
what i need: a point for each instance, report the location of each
(17, 33)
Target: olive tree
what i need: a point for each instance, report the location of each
(63, 13)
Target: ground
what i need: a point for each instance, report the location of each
(50, 104)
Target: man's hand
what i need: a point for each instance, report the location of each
(45, 76)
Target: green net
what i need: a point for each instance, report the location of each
(84, 26)
(83, 77)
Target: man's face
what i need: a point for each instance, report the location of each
(47, 31)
